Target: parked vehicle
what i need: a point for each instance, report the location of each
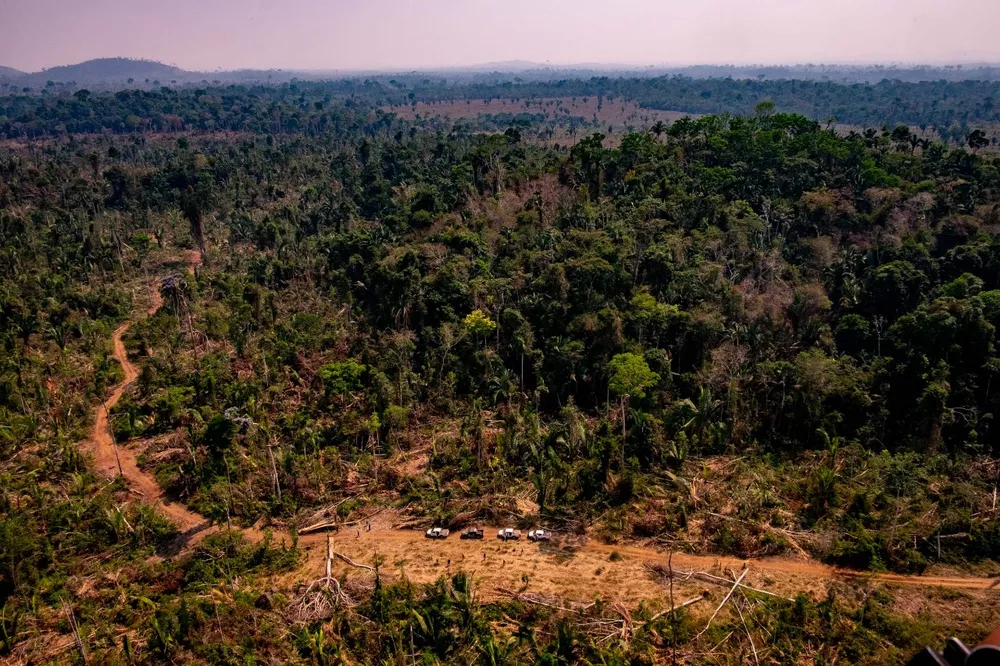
(437, 533)
(540, 535)
(508, 534)
(472, 533)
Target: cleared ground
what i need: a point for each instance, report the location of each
(581, 569)
(614, 117)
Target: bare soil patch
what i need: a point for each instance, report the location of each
(613, 118)
(580, 569)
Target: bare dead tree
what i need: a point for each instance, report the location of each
(274, 471)
(322, 596)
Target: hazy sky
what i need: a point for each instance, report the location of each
(354, 34)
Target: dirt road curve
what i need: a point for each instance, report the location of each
(573, 568)
(101, 445)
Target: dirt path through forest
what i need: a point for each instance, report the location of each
(569, 568)
(108, 457)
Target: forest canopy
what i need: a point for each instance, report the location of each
(741, 334)
(951, 109)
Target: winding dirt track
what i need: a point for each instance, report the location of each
(107, 457)
(570, 568)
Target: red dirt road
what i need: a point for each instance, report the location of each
(108, 457)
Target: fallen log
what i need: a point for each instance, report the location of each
(348, 560)
(728, 596)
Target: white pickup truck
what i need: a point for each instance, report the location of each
(539, 535)
(437, 533)
(508, 534)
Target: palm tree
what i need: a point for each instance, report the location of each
(562, 650)
(58, 333)
(493, 652)
(501, 386)
(462, 598)
(702, 413)
(26, 323)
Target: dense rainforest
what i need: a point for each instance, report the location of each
(738, 335)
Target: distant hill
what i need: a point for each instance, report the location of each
(106, 71)
(116, 73)
(9, 73)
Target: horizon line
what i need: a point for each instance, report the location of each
(537, 65)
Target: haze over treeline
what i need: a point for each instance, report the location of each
(395, 34)
(114, 73)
